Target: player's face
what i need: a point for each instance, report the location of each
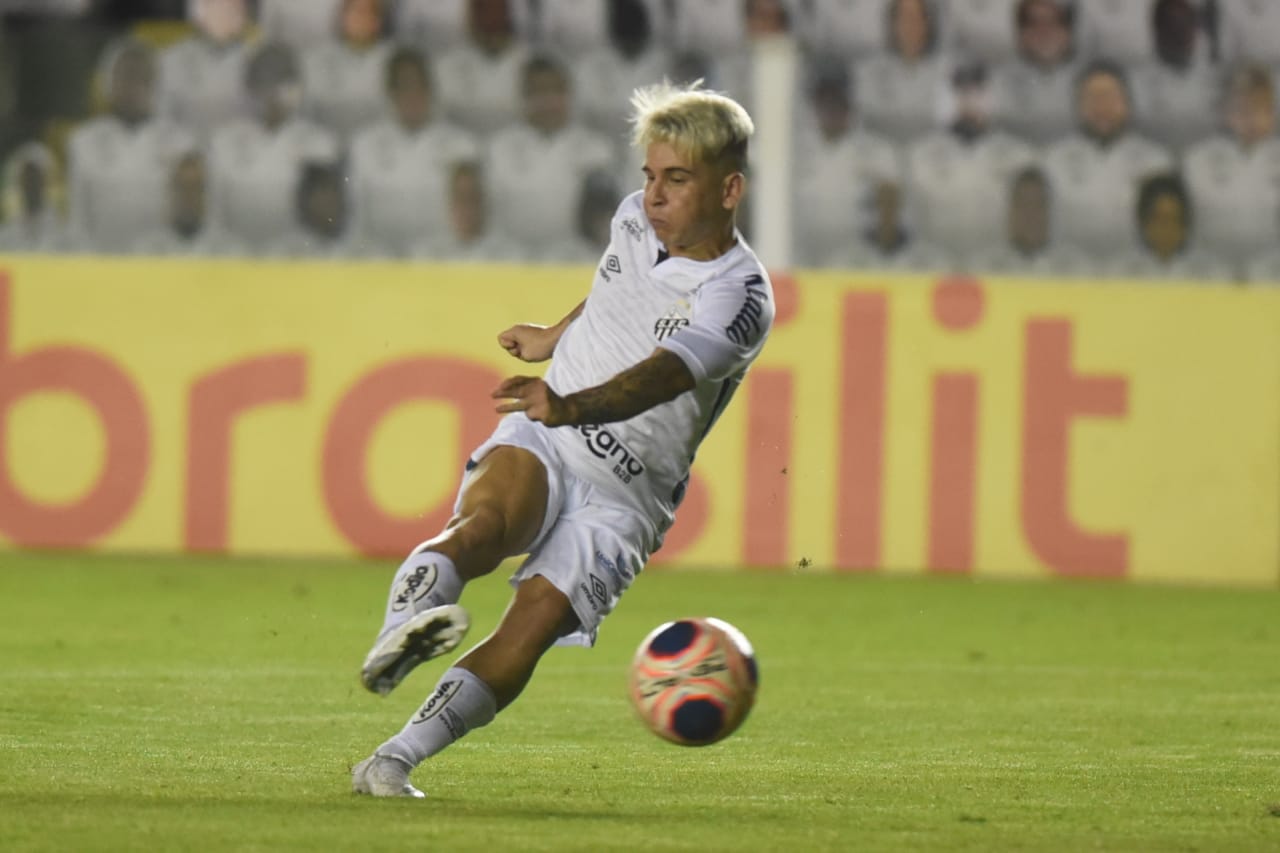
(689, 203)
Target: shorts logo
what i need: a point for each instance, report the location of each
(746, 324)
(615, 567)
(437, 700)
(633, 227)
(607, 446)
(596, 593)
(611, 265)
(413, 587)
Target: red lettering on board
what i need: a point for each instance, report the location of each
(216, 401)
(860, 456)
(959, 304)
(953, 472)
(1053, 397)
(105, 387)
(347, 496)
(767, 490)
(786, 298)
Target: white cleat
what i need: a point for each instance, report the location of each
(383, 776)
(419, 638)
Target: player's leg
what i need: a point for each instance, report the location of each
(500, 510)
(539, 614)
(472, 692)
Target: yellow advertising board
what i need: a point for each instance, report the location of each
(894, 423)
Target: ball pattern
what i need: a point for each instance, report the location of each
(694, 680)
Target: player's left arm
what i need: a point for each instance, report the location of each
(732, 319)
(661, 377)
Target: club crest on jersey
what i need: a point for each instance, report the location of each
(676, 318)
(633, 227)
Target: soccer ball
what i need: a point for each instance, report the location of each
(694, 680)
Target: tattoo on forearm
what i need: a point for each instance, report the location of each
(637, 389)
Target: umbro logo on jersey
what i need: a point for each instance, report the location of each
(611, 265)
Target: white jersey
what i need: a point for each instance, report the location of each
(715, 315)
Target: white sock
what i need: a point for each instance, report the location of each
(461, 702)
(426, 579)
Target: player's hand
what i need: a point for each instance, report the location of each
(529, 394)
(529, 342)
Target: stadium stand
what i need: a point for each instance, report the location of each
(836, 161)
(298, 22)
(117, 162)
(529, 162)
(916, 126)
(188, 228)
(399, 167)
(899, 85)
(344, 74)
(202, 75)
(32, 186)
(1095, 172)
(981, 29)
(1165, 220)
(255, 163)
(1032, 93)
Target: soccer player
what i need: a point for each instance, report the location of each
(586, 472)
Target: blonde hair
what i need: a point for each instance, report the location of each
(708, 126)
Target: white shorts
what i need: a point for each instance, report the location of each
(591, 545)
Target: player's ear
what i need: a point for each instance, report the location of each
(732, 190)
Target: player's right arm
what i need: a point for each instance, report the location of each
(531, 342)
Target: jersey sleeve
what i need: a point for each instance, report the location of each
(731, 319)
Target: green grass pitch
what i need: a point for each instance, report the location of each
(203, 704)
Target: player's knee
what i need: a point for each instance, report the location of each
(482, 532)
